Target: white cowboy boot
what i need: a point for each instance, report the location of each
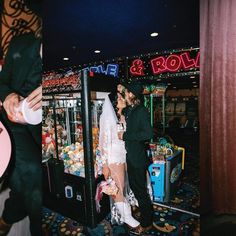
(126, 216)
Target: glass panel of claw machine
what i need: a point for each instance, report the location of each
(70, 135)
(48, 131)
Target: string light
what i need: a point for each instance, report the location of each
(192, 71)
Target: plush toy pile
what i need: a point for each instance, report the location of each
(72, 154)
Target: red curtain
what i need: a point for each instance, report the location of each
(218, 105)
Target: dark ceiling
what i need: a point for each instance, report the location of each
(76, 28)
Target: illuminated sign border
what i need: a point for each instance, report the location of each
(167, 64)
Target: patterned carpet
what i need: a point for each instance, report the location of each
(168, 222)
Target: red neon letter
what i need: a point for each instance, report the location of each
(158, 65)
(197, 62)
(173, 63)
(137, 67)
(187, 62)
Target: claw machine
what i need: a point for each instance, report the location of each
(70, 144)
(166, 170)
(167, 159)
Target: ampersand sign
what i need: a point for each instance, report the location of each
(137, 67)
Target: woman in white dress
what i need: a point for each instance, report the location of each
(113, 156)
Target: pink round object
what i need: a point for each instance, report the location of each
(5, 147)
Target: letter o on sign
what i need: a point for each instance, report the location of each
(173, 63)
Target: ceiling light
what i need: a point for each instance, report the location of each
(195, 86)
(158, 79)
(192, 77)
(169, 83)
(97, 51)
(194, 82)
(174, 87)
(154, 34)
(65, 59)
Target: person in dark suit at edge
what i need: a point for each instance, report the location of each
(138, 130)
(21, 77)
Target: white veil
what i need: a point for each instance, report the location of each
(107, 126)
(108, 111)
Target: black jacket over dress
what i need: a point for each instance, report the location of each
(21, 74)
(138, 130)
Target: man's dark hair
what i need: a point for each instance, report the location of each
(135, 100)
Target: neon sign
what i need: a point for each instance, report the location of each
(172, 63)
(71, 80)
(137, 67)
(112, 69)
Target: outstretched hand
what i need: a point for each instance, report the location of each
(10, 102)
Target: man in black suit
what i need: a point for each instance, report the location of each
(138, 130)
(21, 77)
